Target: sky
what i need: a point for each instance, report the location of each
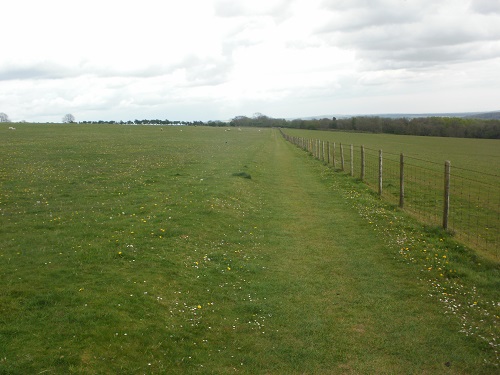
(201, 60)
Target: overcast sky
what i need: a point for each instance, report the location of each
(216, 59)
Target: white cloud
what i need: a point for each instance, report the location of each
(209, 59)
(277, 9)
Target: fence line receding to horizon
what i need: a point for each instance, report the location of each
(459, 200)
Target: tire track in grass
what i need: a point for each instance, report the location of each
(341, 303)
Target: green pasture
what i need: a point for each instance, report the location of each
(196, 250)
(475, 177)
(480, 155)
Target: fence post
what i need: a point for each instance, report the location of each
(352, 160)
(323, 151)
(328, 152)
(342, 156)
(380, 172)
(362, 163)
(446, 210)
(401, 181)
(334, 160)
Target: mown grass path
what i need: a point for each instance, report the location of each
(345, 305)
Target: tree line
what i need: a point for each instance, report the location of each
(423, 126)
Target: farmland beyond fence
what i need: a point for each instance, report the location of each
(463, 201)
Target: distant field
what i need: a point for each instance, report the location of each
(174, 250)
(475, 178)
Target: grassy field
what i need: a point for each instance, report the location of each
(473, 154)
(137, 249)
(474, 194)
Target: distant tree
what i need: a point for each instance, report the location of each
(241, 121)
(4, 117)
(68, 119)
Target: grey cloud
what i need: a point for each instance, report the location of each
(409, 37)
(393, 37)
(38, 70)
(149, 71)
(358, 18)
(414, 58)
(485, 6)
(46, 70)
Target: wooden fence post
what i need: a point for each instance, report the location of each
(328, 152)
(362, 163)
(342, 157)
(380, 172)
(352, 160)
(446, 209)
(334, 160)
(401, 181)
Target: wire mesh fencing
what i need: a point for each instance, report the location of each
(475, 207)
(463, 201)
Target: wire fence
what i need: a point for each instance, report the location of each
(463, 201)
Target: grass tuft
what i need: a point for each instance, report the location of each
(242, 174)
